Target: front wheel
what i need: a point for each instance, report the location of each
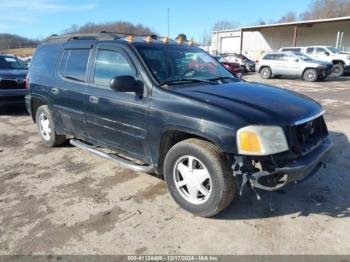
(310, 75)
(46, 127)
(199, 177)
(338, 70)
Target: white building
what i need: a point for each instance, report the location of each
(255, 40)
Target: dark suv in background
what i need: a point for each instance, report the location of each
(12, 80)
(170, 108)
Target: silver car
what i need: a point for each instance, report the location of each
(292, 65)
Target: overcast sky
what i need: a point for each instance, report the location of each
(40, 18)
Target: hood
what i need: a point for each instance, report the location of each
(319, 62)
(254, 102)
(13, 73)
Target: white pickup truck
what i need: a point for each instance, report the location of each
(340, 61)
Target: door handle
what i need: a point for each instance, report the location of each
(54, 90)
(93, 99)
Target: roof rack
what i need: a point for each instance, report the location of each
(123, 34)
(103, 35)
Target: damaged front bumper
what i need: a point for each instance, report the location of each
(296, 170)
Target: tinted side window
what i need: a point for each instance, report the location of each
(309, 50)
(110, 64)
(291, 50)
(289, 57)
(269, 57)
(44, 59)
(77, 64)
(320, 50)
(63, 67)
(279, 57)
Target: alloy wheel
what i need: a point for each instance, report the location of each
(192, 179)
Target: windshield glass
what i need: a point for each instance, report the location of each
(302, 56)
(332, 49)
(8, 62)
(178, 62)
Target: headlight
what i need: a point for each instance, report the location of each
(261, 140)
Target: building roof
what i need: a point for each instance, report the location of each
(298, 23)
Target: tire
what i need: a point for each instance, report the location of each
(310, 75)
(266, 73)
(338, 70)
(215, 177)
(46, 128)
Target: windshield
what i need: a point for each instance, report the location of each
(179, 62)
(303, 56)
(8, 62)
(332, 49)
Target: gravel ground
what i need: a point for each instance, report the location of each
(67, 201)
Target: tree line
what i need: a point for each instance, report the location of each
(10, 41)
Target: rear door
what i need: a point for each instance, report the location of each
(117, 120)
(291, 65)
(277, 64)
(69, 90)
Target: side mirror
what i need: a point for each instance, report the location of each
(125, 84)
(296, 60)
(327, 53)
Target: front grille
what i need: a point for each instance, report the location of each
(308, 135)
(11, 84)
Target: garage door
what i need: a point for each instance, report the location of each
(230, 44)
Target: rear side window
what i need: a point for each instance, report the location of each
(274, 57)
(309, 50)
(110, 64)
(74, 64)
(269, 57)
(296, 50)
(44, 60)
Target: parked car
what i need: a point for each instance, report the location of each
(247, 65)
(208, 133)
(292, 65)
(340, 61)
(12, 80)
(234, 68)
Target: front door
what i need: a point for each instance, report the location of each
(117, 120)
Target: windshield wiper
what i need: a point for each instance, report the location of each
(190, 80)
(221, 78)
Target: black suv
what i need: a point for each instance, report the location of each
(12, 80)
(169, 108)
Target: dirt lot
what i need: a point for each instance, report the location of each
(67, 201)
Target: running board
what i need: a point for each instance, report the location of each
(121, 161)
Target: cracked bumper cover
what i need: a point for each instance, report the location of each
(297, 170)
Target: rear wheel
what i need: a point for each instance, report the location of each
(199, 177)
(265, 73)
(338, 69)
(46, 127)
(310, 75)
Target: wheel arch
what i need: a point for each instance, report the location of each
(171, 137)
(264, 66)
(307, 68)
(35, 102)
(337, 61)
